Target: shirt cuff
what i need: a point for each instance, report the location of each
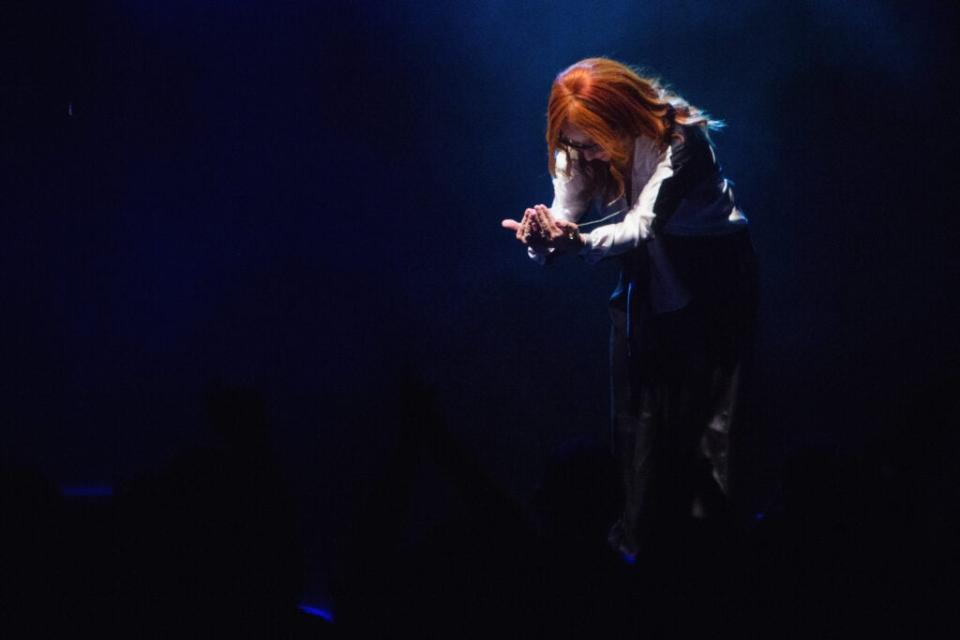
(585, 252)
(540, 257)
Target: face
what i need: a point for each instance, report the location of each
(574, 138)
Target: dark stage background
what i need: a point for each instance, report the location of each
(304, 198)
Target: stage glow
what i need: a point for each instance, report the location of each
(314, 611)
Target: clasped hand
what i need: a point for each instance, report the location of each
(540, 231)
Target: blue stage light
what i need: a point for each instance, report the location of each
(314, 611)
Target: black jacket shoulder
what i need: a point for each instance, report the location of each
(693, 163)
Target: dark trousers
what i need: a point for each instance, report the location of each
(677, 380)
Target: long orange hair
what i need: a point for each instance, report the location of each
(611, 103)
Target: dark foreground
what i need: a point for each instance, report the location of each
(209, 547)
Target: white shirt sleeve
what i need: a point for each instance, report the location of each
(613, 239)
(570, 200)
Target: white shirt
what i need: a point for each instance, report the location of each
(700, 205)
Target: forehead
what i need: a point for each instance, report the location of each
(575, 134)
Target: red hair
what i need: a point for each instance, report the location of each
(611, 102)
